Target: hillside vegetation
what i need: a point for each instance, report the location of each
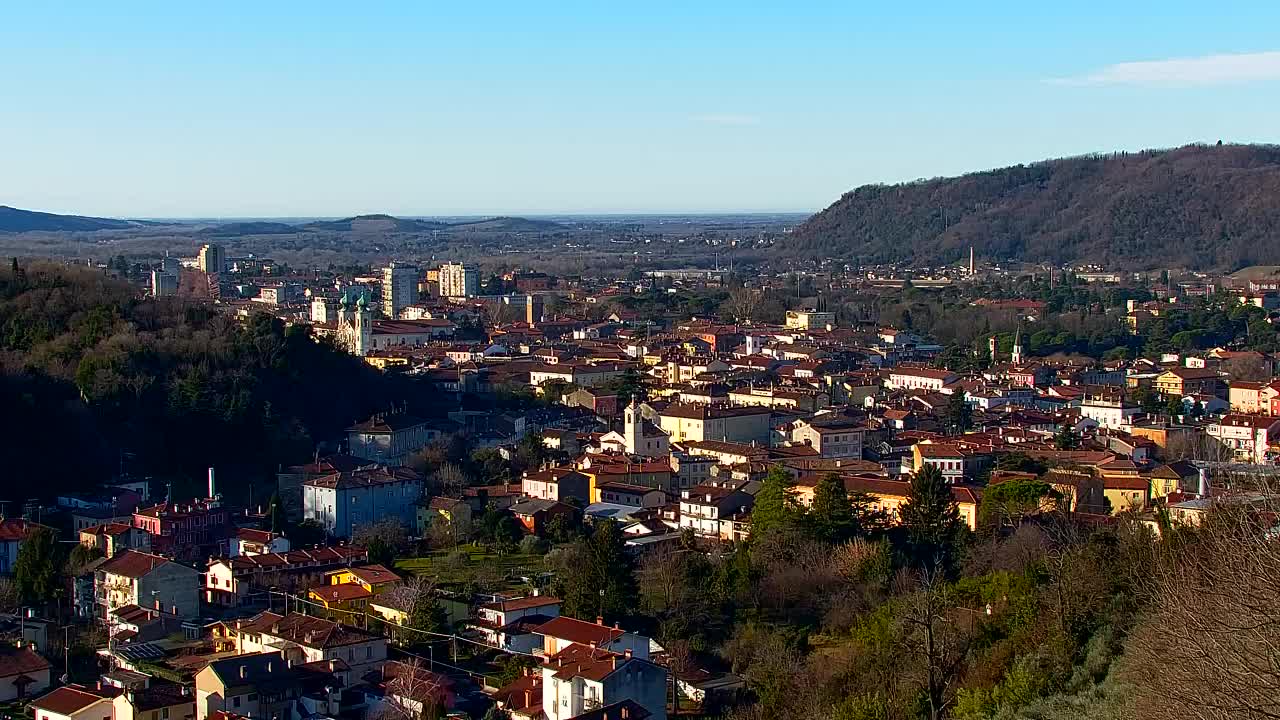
(91, 375)
(1195, 206)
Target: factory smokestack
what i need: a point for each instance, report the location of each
(213, 490)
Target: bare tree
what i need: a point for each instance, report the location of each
(1209, 649)
(412, 692)
(940, 634)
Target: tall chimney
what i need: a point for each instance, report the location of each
(1203, 488)
(213, 490)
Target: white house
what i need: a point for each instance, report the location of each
(582, 678)
(919, 379)
(23, 672)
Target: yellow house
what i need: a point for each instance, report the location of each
(382, 362)
(352, 588)
(890, 495)
(1181, 381)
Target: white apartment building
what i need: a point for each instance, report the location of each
(458, 280)
(399, 288)
(810, 319)
(919, 379)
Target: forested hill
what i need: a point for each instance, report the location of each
(1201, 207)
(90, 374)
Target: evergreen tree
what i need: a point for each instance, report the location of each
(959, 412)
(831, 515)
(1066, 438)
(277, 515)
(931, 520)
(426, 613)
(775, 507)
(597, 575)
(35, 571)
(615, 569)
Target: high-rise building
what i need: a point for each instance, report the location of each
(213, 258)
(163, 283)
(458, 280)
(399, 288)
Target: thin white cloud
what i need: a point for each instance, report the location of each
(1225, 69)
(727, 119)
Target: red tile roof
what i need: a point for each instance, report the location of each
(18, 661)
(68, 700)
(133, 564)
(579, 631)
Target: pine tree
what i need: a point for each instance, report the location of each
(831, 515)
(615, 570)
(959, 412)
(1066, 438)
(774, 507)
(931, 520)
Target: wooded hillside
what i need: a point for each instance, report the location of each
(1196, 206)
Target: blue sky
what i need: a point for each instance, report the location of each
(286, 109)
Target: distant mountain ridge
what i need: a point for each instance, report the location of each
(375, 223)
(1207, 207)
(16, 220)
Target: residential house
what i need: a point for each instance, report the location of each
(309, 639)
(581, 680)
(352, 588)
(620, 493)
(249, 541)
(535, 515)
(112, 539)
(344, 501)
(603, 404)
(703, 507)
(685, 422)
(74, 702)
(561, 632)
(511, 624)
(187, 530)
(410, 690)
(580, 374)
(1109, 408)
(557, 484)
(1183, 381)
(919, 379)
(137, 578)
(1175, 477)
(266, 685)
(841, 437)
(228, 581)
(1248, 436)
(388, 439)
(890, 495)
(451, 514)
(950, 460)
(1250, 398)
(159, 701)
(23, 672)
(14, 532)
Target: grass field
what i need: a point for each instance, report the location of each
(470, 563)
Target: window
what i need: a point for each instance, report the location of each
(165, 713)
(235, 701)
(253, 697)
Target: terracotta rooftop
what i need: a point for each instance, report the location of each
(133, 564)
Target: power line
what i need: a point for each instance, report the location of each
(379, 618)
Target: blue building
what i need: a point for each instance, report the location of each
(344, 501)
